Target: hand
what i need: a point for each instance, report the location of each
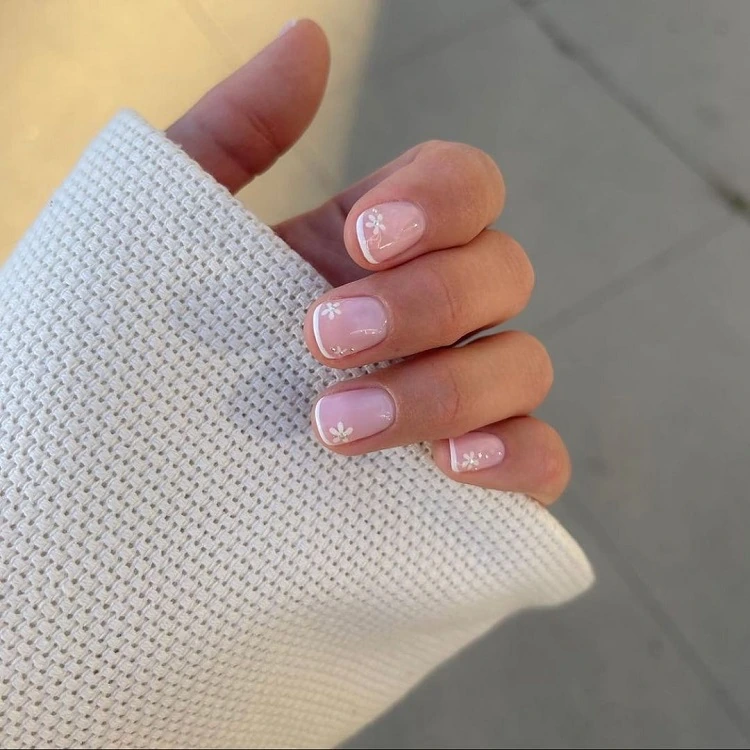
(416, 270)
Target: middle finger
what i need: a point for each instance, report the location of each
(442, 394)
(432, 301)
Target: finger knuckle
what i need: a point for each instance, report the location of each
(445, 302)
(554, 467)
(511, 269)
(435, 144)
(446, 397)
(479, 169)
(472, 155)
(488, 166)
(471, 168)
(436, 147)
(262, 133)
(518, 267)
(483, 169)
(535, 366)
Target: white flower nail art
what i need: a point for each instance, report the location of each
(340, 433)
(375, 222)
(331, 310)
(471, 461)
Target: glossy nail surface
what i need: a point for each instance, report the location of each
(352, 415)
(388, 229)
(346, 326)
(476, 451)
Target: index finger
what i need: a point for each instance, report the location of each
(442, 198)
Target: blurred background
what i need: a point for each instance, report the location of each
(623, 130)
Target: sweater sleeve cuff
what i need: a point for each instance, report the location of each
(181, 563)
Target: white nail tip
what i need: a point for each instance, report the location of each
(363, 240)
(288, 25)
(316, 333)
(455, 466)
(318, 424)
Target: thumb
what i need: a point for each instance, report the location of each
(240, 127)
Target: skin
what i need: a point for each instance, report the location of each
(460, 277)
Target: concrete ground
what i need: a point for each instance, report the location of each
(623, 130)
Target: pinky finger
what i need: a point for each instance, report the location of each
(521, 454)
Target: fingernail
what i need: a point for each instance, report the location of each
(345, 326)
(388, 229)
(353, 415)
(288, 25)
(476, 451)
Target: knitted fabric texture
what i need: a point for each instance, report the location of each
(181, 564)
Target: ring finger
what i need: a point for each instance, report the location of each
(440, 394)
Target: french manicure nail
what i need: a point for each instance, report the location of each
(476, 451)
(352, 415)
(388, 229)
(345, 326)
(288, 25)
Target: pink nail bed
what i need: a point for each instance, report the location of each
(388, 229)
(352, 415)
(345, 326)
(475, 451)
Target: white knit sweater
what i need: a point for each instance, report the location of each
(181, 564)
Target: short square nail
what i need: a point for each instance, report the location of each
(346, 326)
(352, 415)
(388, 229)
(476, 451)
